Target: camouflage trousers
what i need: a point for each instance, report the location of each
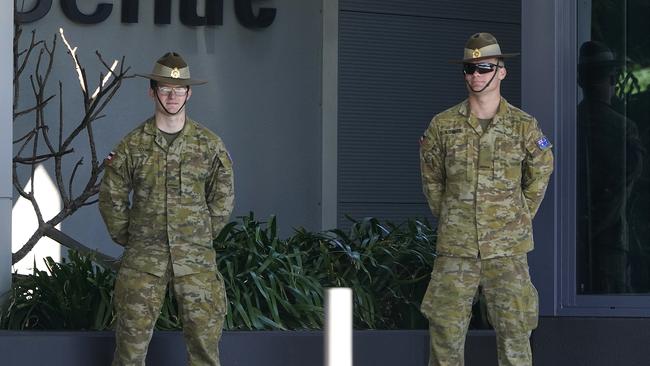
(139, 297)
(512, 306)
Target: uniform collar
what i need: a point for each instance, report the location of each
(464, 110)
(189, 129)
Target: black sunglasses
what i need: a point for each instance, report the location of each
(482, 68)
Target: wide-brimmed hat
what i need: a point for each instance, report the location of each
(481, 46)
(172, 69)
(594, 53)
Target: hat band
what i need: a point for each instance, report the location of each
(605, 56)
(172, 73)
(486, 51)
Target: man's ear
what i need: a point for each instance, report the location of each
(151, 95)
(502, 73)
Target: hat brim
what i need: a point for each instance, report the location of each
(173, 81)
(607, 63)
(505, 55)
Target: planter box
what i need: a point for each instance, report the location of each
(557, 342)
(592, 342)
(299, 348)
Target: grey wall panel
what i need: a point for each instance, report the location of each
(542, 98)
(491, 11)
(263, 98)
(393, 212)
(394, 75)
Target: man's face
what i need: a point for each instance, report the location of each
(477, 80)
(170, 96)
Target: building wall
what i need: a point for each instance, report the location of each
(394, 75)
(6, 125)
(263, 98)
(540, 98)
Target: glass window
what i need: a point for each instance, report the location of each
(613, 142)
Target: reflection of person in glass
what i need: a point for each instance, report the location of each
(609, 162)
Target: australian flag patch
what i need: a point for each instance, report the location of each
(543, 143)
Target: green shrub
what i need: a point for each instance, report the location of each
(268, 284)
(75, 294)
(271, 283)
(386, 266)
(278, 284)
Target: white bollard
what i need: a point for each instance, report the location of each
(338, 327)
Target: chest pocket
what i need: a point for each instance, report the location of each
(145, 174)
(457, 154)
(195, 169)
(509, 163)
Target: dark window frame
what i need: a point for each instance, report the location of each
(569, 303)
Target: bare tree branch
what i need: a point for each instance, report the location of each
(74, 173)
(100, 258)
(40, 158)
(93, 106)
(27, 138)
(89, 203)
(41, 105)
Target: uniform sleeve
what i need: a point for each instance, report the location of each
(635, 153)
(114, 195)
(432, 168)
(538, 166)
(220, 191)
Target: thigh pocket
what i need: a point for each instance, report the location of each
(138, 294)
(219, 297)
(529, 297)
(435, 298)
(120, 291)
(531, 303)
(427, 305)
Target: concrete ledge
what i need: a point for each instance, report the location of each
(592, 342)
(298, 348)
(557, 342)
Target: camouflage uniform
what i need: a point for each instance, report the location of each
(182, 195)
(610, 163)
(484, 187)
(609, 173)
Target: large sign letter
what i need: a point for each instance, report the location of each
(214, 12)
(162, 13)
(71, 10)
(38, 11)
(130, 11)
(245, 15)
(189, 15)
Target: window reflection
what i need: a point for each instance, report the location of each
(613, 167)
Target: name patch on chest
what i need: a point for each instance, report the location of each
(452, 131)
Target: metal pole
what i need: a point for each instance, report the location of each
(338, 327)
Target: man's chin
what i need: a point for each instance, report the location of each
(173, 109)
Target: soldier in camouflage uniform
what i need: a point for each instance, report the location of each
(166, 193)
(485, 167)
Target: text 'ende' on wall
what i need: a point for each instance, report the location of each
(162, 12)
